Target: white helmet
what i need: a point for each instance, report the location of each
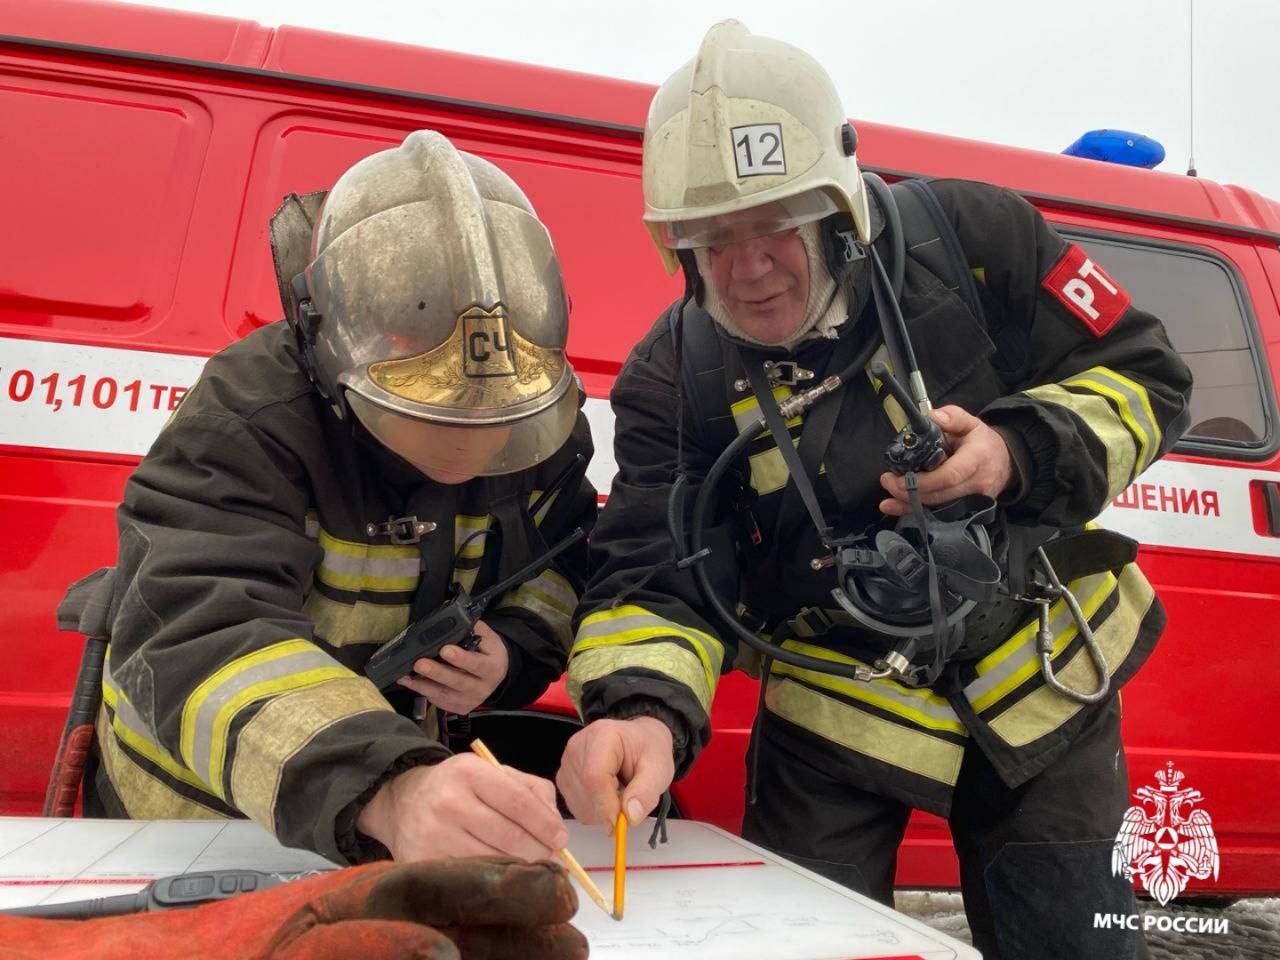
(747, 138)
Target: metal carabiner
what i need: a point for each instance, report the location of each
(1044, 639)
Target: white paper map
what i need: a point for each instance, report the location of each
(704, 895)
(708, 895)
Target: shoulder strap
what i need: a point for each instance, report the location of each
(703, 367)
(931, 240)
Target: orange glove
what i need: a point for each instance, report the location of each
(483, 908)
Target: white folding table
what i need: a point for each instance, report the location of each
(704, 895)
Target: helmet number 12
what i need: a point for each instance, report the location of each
(757, 149)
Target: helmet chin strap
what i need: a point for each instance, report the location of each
(826, 309)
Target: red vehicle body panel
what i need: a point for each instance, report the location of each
(142, 153)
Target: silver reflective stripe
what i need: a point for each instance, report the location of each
(629, 623)
(205, 727)
(130, 728)
(1134, 405)
(1001, 670)
(371, 566)
(542, 510)
(646, 623)
(1100, 417)
(923, 707)
(550, 597)
(464, 530)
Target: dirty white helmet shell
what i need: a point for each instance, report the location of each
(749, 122)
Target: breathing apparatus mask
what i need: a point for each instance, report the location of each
(913, 580)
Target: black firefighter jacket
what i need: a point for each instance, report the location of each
(1087, 388)
(254, 581)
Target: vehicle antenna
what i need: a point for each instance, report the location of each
(1191, 87)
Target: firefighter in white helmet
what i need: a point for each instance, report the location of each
(411, 431)
(792, 261)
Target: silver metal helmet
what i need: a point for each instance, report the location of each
(436, 311)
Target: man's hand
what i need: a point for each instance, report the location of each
(979, 463)
(464, 807)
(465, 678)
(610, 763)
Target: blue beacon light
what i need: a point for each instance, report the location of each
(1118, 146)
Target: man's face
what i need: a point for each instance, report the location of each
(763, 283)
(459, 454)
(445, 453)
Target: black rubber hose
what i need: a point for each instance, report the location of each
(700, 507)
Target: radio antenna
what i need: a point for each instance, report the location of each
(1191, 87)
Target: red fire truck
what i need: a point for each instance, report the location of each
(142, 151)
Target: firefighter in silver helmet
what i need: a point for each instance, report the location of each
(752, 188)
(412, 430)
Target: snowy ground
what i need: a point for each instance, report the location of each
(1253, 926)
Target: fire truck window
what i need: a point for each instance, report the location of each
(1197, 299)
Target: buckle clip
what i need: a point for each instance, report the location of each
(780, 373)
(813, 619)
(786, 373)
(401, 530)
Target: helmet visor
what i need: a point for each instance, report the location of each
(737, 225)
(450, 453)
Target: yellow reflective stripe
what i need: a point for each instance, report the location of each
(892, 409)
(670, 659)
(285, 727)
(549, 589)
(550, 597)
(129, 727)
(630, 623)
(463, 529)
(1008, 666)
(922, 707)
(259, 691)
(916, 751)
(351, 548)
(466, 530)
(209, 710)
(144, 795)
(1098, 414)
(363, 566)
(542, 510)
(769, 472)
(1134, 404)
(1045, 709)
(747, 410)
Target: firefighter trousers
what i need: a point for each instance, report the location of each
(1035, 861)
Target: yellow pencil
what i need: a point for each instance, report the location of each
(567, 858)
(619, 864)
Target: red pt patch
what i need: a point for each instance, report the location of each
(1084, 288)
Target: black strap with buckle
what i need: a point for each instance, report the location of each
(401, 530)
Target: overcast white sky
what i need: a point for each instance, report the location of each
(1021, 72)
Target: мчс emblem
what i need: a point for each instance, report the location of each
(486, 343)
(1163, 841)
